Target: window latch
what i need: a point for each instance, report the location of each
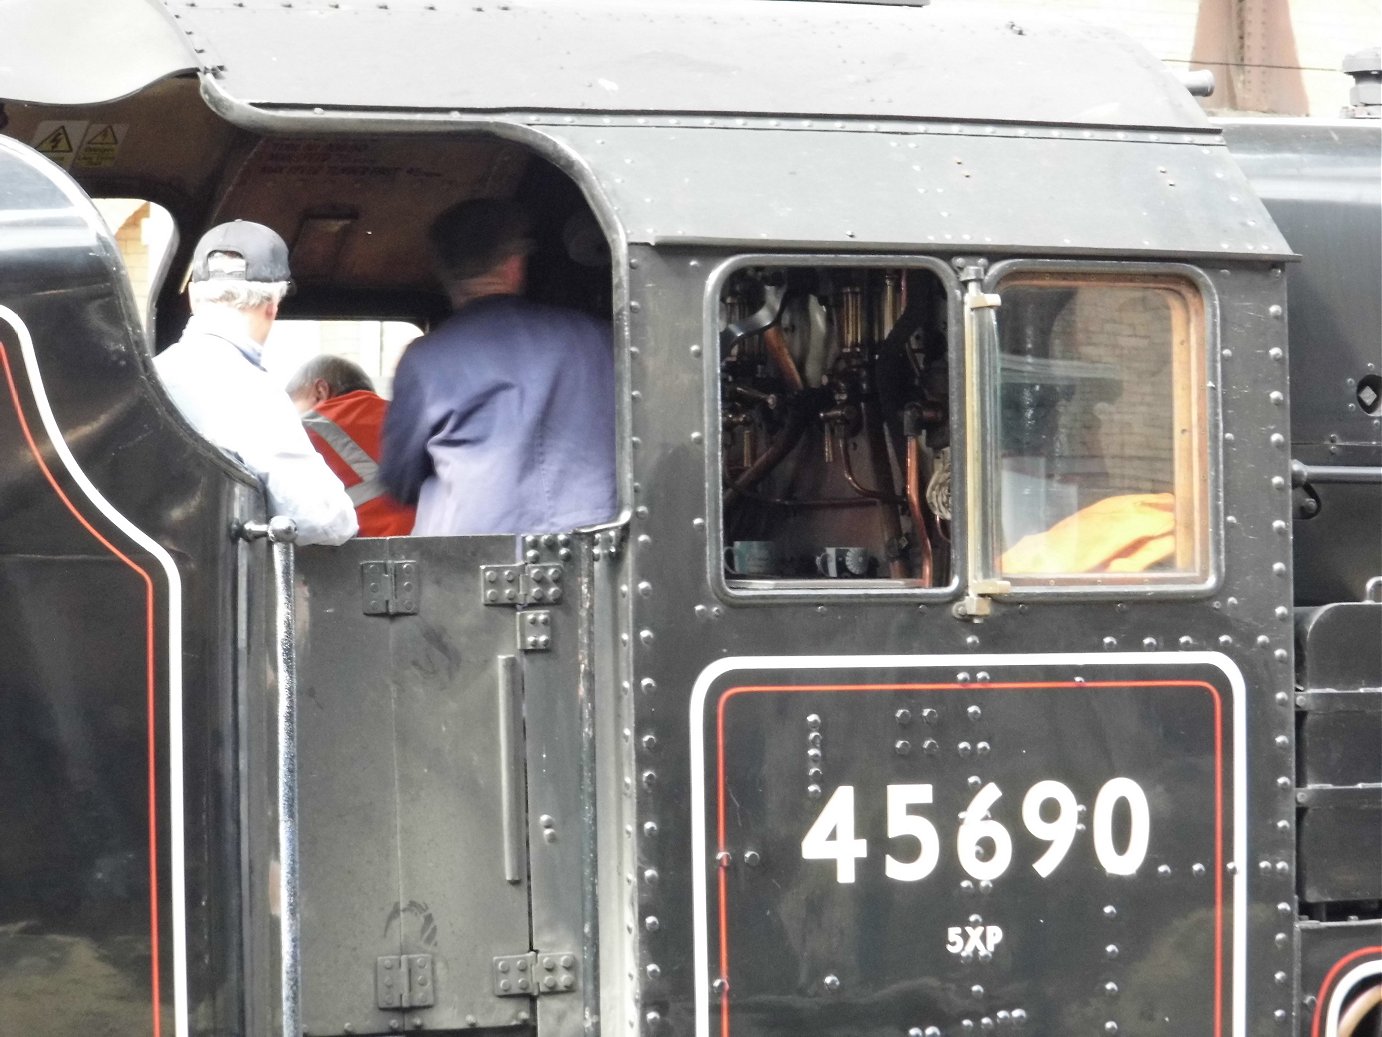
(978, 600)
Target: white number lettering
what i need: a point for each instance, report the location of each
(1139, 826)
(976, 826)
(1060, 831)
(973, 939)
(901, 823)
(831, 837)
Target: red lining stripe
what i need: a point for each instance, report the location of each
(1329, 978)
(150, 672)
(989, 686)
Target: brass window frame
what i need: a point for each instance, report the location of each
(1196, 419)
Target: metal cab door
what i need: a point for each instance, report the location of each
(414, 834)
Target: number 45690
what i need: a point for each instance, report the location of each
(831, 836)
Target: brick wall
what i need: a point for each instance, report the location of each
(1132, 437)
(143, 232)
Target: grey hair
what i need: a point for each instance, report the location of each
(237, 294)
(340, 375)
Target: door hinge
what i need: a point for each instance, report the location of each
(530, 584)
(389, 588)
(531, 974)
(404, 981)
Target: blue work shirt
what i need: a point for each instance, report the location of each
(502, 421)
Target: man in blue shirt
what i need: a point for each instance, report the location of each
(502, 418)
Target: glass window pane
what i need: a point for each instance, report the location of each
(375, 345)
(1101, 447)
(834, 391)
(144, 233)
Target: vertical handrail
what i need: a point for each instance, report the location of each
(980, 330)
(590, 847)
(510, 764)
(282, 533)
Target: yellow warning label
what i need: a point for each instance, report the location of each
(59, 140)
(56, 143)
(101, 145)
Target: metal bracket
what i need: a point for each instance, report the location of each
(971, 269)
(547, 547)
(501, 584)
(530, 584)
(389, 588)
(404, 981)
(534, 630)
(978, 600)
(533, 974)
(607, 543)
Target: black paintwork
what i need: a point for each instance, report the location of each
(1320, 182)
(1328, 953)
(691, 626)
(75, 883)
(808, 954)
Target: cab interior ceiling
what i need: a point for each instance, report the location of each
(353, 209)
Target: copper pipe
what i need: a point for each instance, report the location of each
(890, 302)
(809, 502)
(914, 505)
(779, 448)
(851, 320)
(858, 487)
(887, 506)
(776, 342)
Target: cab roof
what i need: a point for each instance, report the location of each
(829, 60)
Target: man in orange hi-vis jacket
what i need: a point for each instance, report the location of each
(344, 417)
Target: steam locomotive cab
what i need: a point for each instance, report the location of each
(936, 676)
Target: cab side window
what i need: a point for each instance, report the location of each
(375, 345)
(1101, 431)
(834, 394)
(145, 235)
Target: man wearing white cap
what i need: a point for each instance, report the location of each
(213, 373)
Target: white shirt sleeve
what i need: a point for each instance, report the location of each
(299, 483)
(238, 408)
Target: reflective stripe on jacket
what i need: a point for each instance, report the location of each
(346, 431)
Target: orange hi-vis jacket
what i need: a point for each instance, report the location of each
(1125, 534)
(346, 431)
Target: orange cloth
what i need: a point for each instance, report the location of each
(360, 415)
(1125, 534)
